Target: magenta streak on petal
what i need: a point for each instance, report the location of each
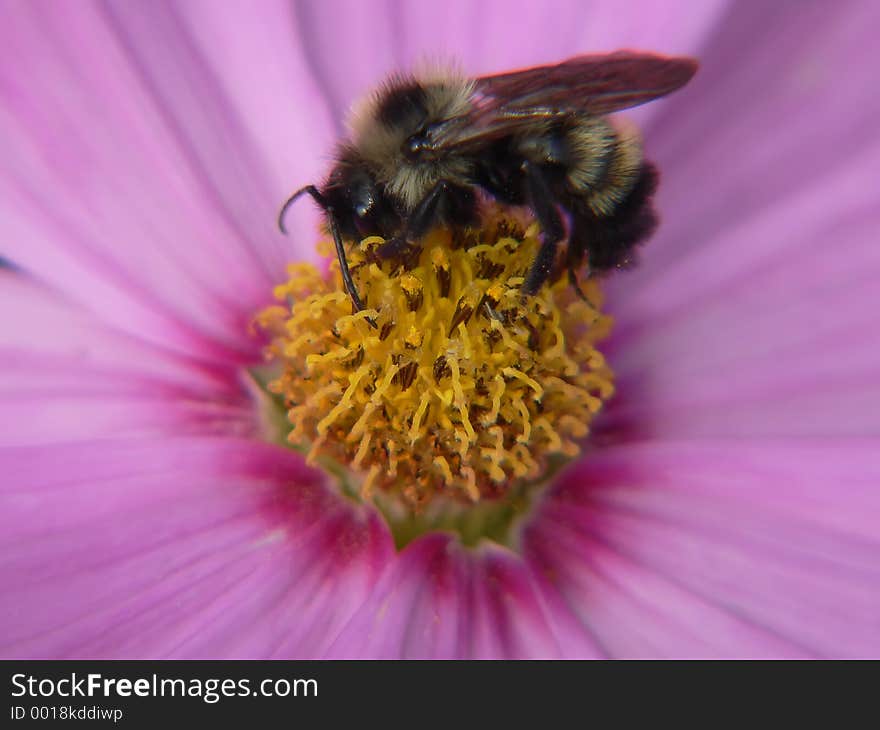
(508, 620)
(769, 547)
(364, 556)
(178, 548)
(297, 616)
(439, 615)
(640, 614)
(440, 600)
(379, 627)
(48, 325)
(65, 376)
(563, 610)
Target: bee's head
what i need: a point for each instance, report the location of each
(397, 132)
(357, 198)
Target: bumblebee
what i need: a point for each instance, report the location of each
(427, 150)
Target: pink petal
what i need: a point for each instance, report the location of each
(186, 548)
(514, 34)
(755, 309)
(742, 548)
(64, 376)
(133, 181)
(441, 600)
(242, 94)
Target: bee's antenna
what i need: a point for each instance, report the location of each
(311, 190)
(337, 240)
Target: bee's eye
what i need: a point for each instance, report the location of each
(417, 143)
(363, 199)
(363, 209)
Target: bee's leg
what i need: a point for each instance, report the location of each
(399, 250)
(334, 231)
(573, 280)
(417, 223)
(552, 230)
(575, 257)
(446, 202)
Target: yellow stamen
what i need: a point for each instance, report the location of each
(451, 381)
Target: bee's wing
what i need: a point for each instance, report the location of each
(596, 84)
(507, 103)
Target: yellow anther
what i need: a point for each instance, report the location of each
(450, 381)
(414, 337)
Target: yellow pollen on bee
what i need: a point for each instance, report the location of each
(450, 382)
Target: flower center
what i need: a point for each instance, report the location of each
(450, 384)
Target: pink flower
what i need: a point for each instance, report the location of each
(730, 504)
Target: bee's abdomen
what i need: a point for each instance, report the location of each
(608, 240)
(605, 163)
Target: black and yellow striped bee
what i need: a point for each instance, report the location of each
(426, 150)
